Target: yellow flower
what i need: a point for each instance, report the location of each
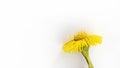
(80, 41)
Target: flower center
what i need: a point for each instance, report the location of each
(80, 36)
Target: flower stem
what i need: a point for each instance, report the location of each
(85, 53)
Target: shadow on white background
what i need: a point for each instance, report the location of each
(64, 60)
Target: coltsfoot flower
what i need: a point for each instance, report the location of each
(81, 43)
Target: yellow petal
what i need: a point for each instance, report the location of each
(68, 47)
(93, 40)
(74, 46)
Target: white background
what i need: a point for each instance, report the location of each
(32, 32)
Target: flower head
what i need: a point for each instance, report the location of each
(81, 40)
